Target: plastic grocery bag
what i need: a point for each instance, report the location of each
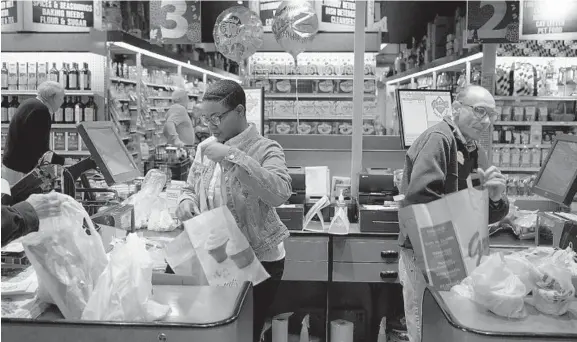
(124, 290)
(493, 286)
(449, 235)
(66, 259)
(223, 251)
(146, 199)
(160, 219)
(316, 211)
(553, 294)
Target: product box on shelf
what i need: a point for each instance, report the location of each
(72, 143)
(22, 76)
(59, 141)
(13, 75)
(326, 128)
(307, 127)
(4, 138)
(32, 75)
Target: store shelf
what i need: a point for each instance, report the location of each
(122, 80)
(518, 169)
(451, 63)
(536, 123)
(313, 96)
(307, 77)
(301, 117)
(54, 126)
(156, 85)
(158, 108)
(160, 98)
(35, 92)
(535, 98)
(522, 145)
(73, 153)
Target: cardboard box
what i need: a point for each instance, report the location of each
(59, 141)
(32, 75)
(72, 143)
(22, 76)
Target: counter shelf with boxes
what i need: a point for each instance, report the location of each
(316, 96)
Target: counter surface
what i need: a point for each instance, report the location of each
(466, 314)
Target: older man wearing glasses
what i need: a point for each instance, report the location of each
(438, 163)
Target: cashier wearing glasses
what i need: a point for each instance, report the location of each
(438, 163)
(243, 170)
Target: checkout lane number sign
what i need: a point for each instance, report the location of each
(492, 22)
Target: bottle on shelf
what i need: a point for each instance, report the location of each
(69, 111)
(42, 75)
(85, 78)
(14, 104)
(53, 74)
(5, 109)
(4, 76)
(78, 110)
(63, 76)
(90, 110)
(59, 114)
(73, 74)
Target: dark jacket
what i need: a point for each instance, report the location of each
(432, 169)
(18, 220)
(28, 136)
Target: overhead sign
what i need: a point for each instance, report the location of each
(334, 16)
(64, 13)
(544, 20)
(9, 12)
(175, 21)
(492, 22)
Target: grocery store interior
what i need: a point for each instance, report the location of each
(194, 170)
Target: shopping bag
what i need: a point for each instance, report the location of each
(67, 261)
(449, 235)
(182, 259)
(124, 290)
(222, 249)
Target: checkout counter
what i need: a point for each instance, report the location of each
(198, 313)
(449, 317)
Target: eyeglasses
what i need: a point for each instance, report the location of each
(213, 119)
(482, 112)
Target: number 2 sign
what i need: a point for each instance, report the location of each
(175, 21)
(492, 22)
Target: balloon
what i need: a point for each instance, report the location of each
(238, 33)
(295, 25)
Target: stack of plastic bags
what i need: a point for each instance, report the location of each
(75, 273)
(503, 284)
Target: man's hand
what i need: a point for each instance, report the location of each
(185, 210)
(215, 151)
(494, 181)
(45, 205)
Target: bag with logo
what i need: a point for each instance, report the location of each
(449, 235)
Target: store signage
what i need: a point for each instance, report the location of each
(540, 22)
(492, 22)
(63, 13)
(338, 12)
(266, 12)
(9, 12)
(175, 21)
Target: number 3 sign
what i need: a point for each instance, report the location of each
(175, 21)
(492, 22)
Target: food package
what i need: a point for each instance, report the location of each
(524, 79)
(68, 261)
(493, 286)
(283, 86)
(554, 293)
(307, 108)
(345, 128)
(347, 108)
(124, 290)
(326, 86)
(368, 127)
(369, 86)
(525, 224)
(346, 86)
(503, 82)
(146, 199)
(307, 127)
(160, 219)
(325, 128)
(285, 127)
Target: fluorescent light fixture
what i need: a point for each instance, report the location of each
(439, 67)
(135, 49)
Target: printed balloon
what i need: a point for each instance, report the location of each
(238, 33)
(295, 25)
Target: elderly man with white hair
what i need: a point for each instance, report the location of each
(29, 132)
(178, 129)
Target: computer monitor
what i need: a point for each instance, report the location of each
(108, 152)
(557, 179)
(420, 109)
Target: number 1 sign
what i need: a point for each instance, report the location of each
(175, 21)
(492, 22)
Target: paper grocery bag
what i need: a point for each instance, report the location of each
(449, 236)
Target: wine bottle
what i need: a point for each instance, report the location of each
(59, 114)
(5, 108)
(78, 110)
(73, 77)
(90, 110)
(14, 104)
(63, 76)
(4, 76)
(53, 74)
(85, 78)
(69, 111)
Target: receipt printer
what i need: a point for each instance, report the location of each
(292, 213)
(377, 209)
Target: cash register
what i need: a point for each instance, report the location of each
(557, 181)
(292, 212)
(377, 211)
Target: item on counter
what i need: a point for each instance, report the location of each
(242, 257)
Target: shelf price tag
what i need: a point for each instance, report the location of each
(492, 22)
(175, 21)
(539, 22)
